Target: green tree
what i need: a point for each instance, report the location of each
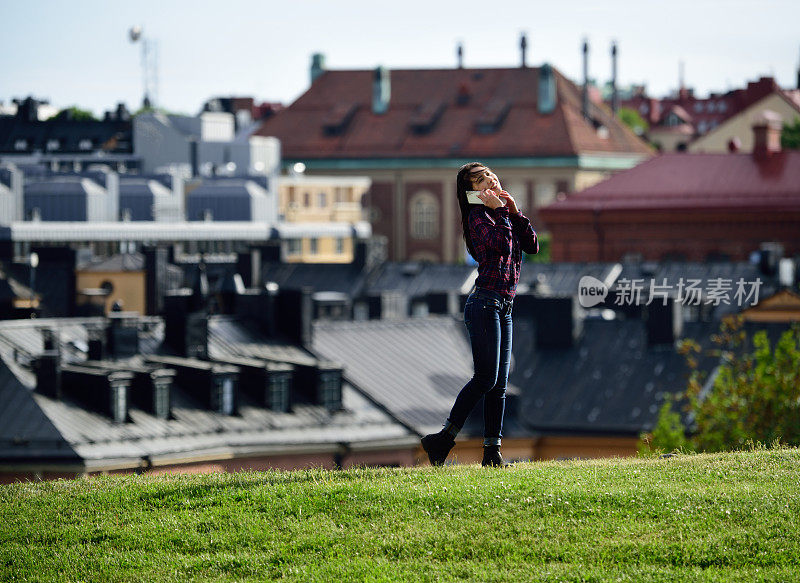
(632, 119)
(669, 434)
(754, 395)
(75, 113)
(790, 138)
(543, 256)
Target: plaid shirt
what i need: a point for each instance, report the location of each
(499, 239)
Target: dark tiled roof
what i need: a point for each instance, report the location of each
(431, 97)
(419, 279)
(609, 382)
(320, 277)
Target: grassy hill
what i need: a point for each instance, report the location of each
(725, 517)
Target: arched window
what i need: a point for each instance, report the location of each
(424, 216)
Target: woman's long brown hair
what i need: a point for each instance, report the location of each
(463, 184)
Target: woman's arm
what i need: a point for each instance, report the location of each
(495, 235)
(523, 229)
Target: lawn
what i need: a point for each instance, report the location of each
(721, 517)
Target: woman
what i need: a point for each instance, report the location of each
(496, 234)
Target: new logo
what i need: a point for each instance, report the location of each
(591, 291)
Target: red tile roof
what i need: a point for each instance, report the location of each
(434, 97)
(694, 181)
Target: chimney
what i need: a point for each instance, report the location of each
(59, 264)
(664, 323)
(381, 91)
(317, 66)
(614, 95)
(460, 55)
(653, 110)
(585, 100)
(547, 90)
(186, 319)
(156, 261)
(269, 383)
(214, 385)
(293, 314)
(48, 367)
(122, 335)
(523, 46)
(767, 135)
(103, 391)
(559, 320)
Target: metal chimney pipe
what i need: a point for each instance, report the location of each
(614, 96)
(460, 55)
(523, 45)
(585, 106)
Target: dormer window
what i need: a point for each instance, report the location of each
(53, 145)
(20, 145)
(85, 144)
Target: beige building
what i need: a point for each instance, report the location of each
(739, 128)
(321, 199)
(120, 278)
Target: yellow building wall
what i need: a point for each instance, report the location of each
(326, 251)
(741, 126)
(129, 287)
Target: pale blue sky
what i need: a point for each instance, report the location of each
(77, 52)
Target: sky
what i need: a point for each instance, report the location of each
(78, 52)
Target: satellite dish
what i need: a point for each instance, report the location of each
(135, 33)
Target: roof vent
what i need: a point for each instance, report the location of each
(338, 118)
(425, 118)
(492, 117)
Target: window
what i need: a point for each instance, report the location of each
(278, 394)
(20, 145)
(224, 397)
(424, 216)
(314, 245)
(322, 199)
(295, 247)
(85, 144)
(339, 245)
(306, 199)
(52, 145)
(698, 106)
(331, 390)
(722, 106)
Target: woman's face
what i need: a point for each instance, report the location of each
(483, 178)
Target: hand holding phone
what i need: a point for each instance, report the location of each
(472, 197)
(490, 199)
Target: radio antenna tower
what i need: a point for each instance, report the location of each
(149, 66)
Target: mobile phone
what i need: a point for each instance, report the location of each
(472, 197)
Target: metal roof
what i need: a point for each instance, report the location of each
(415, 368)
(38, 425)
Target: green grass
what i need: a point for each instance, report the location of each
(723, 517)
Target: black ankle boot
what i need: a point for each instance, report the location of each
(492, 457)
(437, 446)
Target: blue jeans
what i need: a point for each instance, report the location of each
(487, 315)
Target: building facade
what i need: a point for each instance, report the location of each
(410, 130)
